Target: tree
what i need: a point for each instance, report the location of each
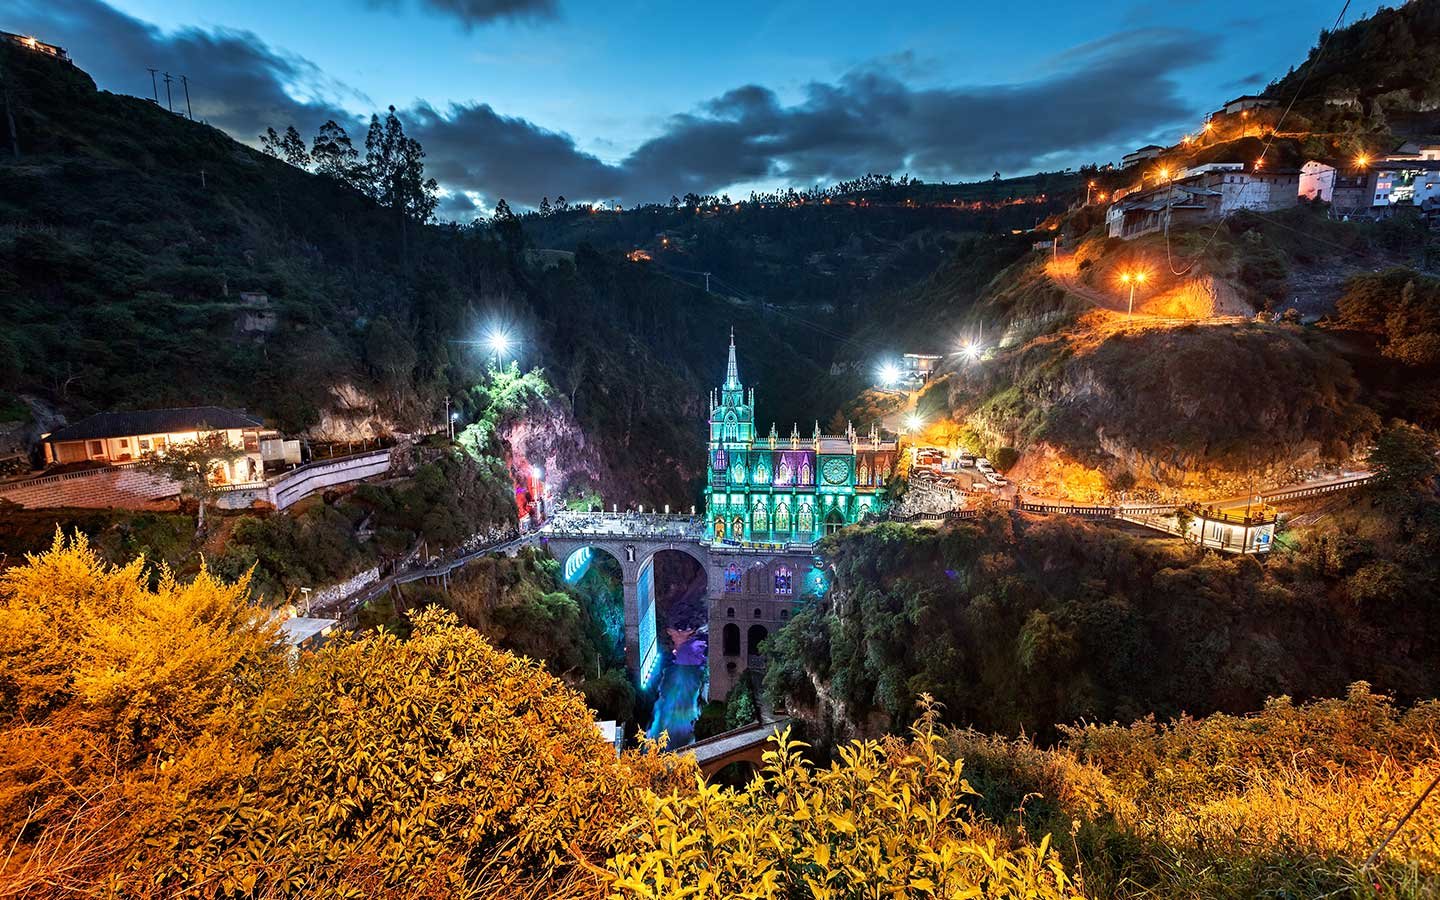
(334, 155)
(545, 209)
(270, 143)
(396, 170)
(292, 147)
(1404, 460)
(507, 225)
(192, 465)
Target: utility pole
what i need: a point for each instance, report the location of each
(185, 82)
(449, 422)
(202, 179)
(154, 90)
(707, 282)
(168, 103)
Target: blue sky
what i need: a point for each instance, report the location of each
(634, 100)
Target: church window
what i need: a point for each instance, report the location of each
(737, 473)
(805, 472)
(721, 461)
(805, 519)
(783, 578)
(760, 473)
(759, 520)
(864, 472)
(732, 582)
(737, 528)
(782, 474)
(782, 517)
(719, 528)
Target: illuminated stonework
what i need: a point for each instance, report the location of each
(786, 490)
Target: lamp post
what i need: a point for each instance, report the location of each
(1132, 279)
(1088, 188)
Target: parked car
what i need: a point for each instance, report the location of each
(997, 480)
(983, 465)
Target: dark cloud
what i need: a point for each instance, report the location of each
(1253, 80)
(1092, 99)
(472, 13)
(1086, 103)
(237, 82)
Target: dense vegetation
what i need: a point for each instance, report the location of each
(1016, 623)
(121, 266)
(157, 740)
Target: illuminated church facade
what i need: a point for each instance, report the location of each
(789, 490)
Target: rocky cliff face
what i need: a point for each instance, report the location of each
(546, 436)
(1169, 408)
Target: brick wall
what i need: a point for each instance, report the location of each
(120, 488)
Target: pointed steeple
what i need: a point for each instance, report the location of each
(732, 371)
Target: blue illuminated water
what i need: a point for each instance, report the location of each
(678, 705)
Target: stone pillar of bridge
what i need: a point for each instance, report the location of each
(630, 581)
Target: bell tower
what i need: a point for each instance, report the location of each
(732, 444)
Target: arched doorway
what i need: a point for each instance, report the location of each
(757, 634)
(730, 641)
(834, 521)
(675, 624)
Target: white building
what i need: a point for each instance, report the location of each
(1245, 103)
(1149, 151)
(123, 437)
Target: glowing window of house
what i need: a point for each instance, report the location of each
(783, 585)
(732, 582)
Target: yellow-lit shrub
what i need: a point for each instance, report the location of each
(888, 820)
(433, 766)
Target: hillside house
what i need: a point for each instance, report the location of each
(123, 437)
(34, 46)
(1202, 194)
(1245, 103)
(1148, 152)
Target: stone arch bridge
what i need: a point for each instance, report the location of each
(751, 589)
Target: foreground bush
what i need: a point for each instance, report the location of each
(890, 819)
(1291, 801)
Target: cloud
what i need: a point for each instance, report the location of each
(473, 13)
(237, 82)
(1091, 99)
(1085, 103)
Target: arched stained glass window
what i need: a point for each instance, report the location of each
(783, 581)
(732, 582)
(782, 474)
(805, 472)
(737, 528)
(864, 472)
(737, 473)
(805, 519)
(760, 474)
(782, 517)
(759, 520)
(719, 528)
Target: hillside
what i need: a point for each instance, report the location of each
(131, 234)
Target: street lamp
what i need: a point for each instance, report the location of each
(913, 422)
(499, 341)
(1362, 161)
(1132, 279)
(971, 350)
(1088, 188)
(889, 374)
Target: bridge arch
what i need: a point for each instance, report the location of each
(576, 563)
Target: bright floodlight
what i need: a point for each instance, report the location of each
(537, 473)
(913, 422)
(889, 374)
(499, 342)
(972, 350)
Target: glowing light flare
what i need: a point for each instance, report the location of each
(889, 374)
(914, 422)
(971, 350)
(1362, 160)
(499, 341)
(1134, 277)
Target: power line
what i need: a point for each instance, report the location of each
(1314, 64)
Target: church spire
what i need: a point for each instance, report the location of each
(732, 371)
